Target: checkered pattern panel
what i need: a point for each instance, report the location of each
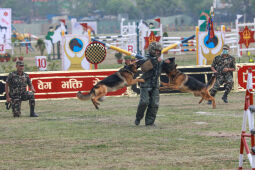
(95, 53)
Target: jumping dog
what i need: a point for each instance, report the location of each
(118, 80)
(184, 83)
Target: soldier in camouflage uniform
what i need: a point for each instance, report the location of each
(15, 88)
(223, 66)
(149, 90)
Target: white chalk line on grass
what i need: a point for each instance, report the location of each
(219, 114)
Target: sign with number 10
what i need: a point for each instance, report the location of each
(41, 62)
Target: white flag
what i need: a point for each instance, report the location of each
(238, 16)
(200, 22)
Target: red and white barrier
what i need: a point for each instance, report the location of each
(249, 110)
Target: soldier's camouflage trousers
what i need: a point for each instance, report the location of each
(228, 85)
(149, 99)
(16, 102)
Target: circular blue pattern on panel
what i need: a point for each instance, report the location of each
(211, 43)
(76, 45)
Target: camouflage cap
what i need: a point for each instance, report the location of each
(19, 63)
(153, 47)
(226, 47)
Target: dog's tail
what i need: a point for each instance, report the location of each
(85, 96)
(211, 82)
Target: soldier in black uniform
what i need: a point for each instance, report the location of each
(149, 96)
(223, 65)
(16, 90)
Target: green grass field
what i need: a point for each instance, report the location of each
(72, 134)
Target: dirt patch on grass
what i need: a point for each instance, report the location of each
(221, 134)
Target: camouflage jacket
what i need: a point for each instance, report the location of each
(18, 83)
(219, 63)
(152, 77)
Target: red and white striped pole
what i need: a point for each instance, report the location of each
(247, 113)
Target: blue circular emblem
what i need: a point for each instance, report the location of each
(211, 42)
(76, 45)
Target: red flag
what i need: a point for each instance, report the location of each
(158, 20)
(62, 20)
(84, 26)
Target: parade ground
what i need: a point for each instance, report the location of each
(72, 133)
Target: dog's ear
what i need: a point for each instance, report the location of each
(175, 65)
(172, 59)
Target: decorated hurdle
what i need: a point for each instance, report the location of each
(113, 38)
(118, 49)
(148, 35)
(241, 27)
(136, 54)
(178, 43)
(129, 35)
(238, 36)
(122, 41)
(233, 39)
(249, 110)
(130, 39)
(126, 40)
(185, 47)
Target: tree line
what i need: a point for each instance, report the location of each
(136, 9)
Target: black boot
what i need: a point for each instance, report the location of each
(140, 113)
(151, 116)
(137, 122)
(34, 115)
(32, 109)
(225, 98)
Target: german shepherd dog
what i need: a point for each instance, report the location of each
(184, 83)
(118, 80)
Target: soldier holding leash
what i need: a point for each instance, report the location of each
(15, 89)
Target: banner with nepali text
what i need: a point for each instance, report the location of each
(60, 85)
